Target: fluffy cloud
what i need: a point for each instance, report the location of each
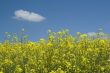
(29, 16)
(91, 34)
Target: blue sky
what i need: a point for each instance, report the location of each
(75, 15)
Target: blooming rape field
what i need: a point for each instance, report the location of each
(60, 53)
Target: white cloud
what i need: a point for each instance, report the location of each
(29, 16)
(91, 34)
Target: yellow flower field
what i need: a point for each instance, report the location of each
(60, 53)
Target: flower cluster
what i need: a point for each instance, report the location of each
(61, 53)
